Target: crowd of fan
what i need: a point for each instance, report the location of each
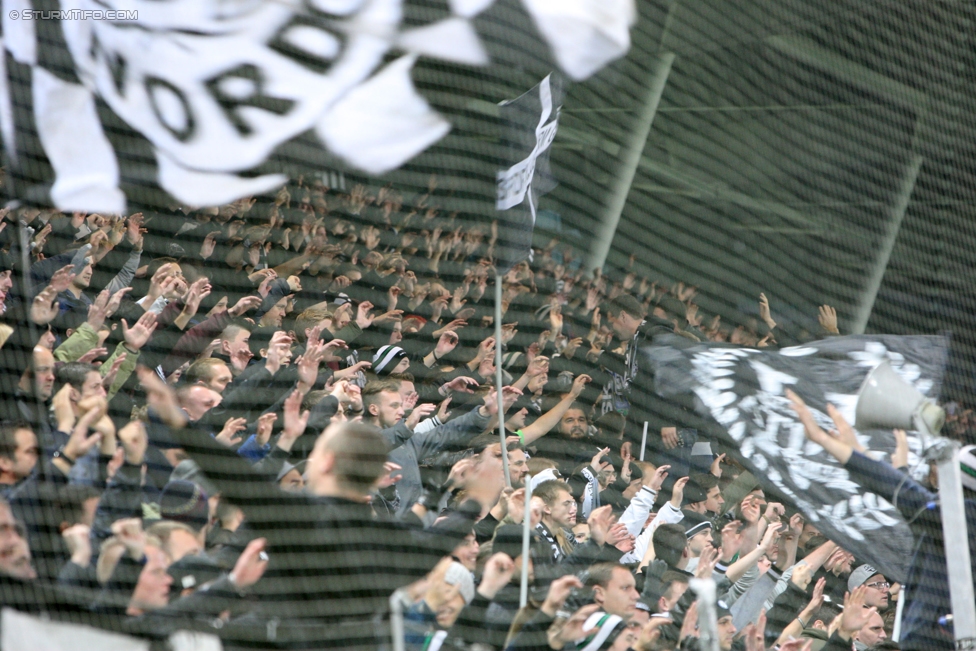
(262, 419)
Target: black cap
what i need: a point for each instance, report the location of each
(694, 523)
(191, 572)
(508, 540)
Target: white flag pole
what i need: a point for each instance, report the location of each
(526, 530)
(643, 441)
(498, 377)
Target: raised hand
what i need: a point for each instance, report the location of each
(732, 539)
(199, 290)
(844, 432)
(899, 458)
(460, 384)
(689, 628)
(539, 367)
(161, 398)
(716, 467)
(571, 347)
(419, 413)
(77, 538)
(774, 512)
(800, 644)
(827, 317)
(595, 462)
(509, 396)
(498, 572)
(209, 244)
(389, 476)
(92, 355)
(363, 318)
(750, 509)
(559, 591)
(801, 576)
(134, 441)
(108, 379)
(619, 537)
(772, 532)
(139, 334)
(764, 312)
(265, 427)
(116, 300)
(600, 521)
(134, 231)
(308, 364)
(250, 565)
(80, 442)
(578, 385)
(706, 562)
(754, 634)
(129, 531)
(443, 413)
(556, 316)
(245, 305)
(655, 481)
(45, 306)
(573, 628)
(295, 419)
(228, 435)
(855, 615)
(351, 371)
(678, 492)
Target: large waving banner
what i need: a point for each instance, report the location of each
(744, 390)
(215, 87)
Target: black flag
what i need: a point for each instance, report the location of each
(529, 126)
(744, 390)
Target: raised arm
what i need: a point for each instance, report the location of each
(550, 419)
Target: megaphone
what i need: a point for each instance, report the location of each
(886, 401)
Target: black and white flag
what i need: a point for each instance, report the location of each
(203, 92)
(744, 390)
(529, 126)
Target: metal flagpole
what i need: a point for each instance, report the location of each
(397, 632)
(526, 529)
(955, 535)
(643, 441)
(498, 377)
(899, 611)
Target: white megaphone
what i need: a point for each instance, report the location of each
(886, 401)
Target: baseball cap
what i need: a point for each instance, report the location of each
(860, 575)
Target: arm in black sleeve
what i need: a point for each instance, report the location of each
(121, 499)
(886, 481)
(785, 609)
(533, 636)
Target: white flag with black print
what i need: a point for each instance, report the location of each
(207, 91)
(744, 391)
(529, 125)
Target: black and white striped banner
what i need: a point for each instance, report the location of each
(213, 88)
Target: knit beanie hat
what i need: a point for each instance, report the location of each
(387, 358)
(460, 576)
(601, 629)
(183, 501)
(694, 523)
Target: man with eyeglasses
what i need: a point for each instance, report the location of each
(877, 585)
